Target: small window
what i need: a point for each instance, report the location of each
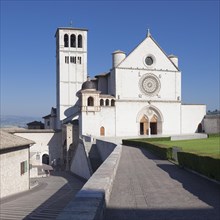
(79, 60)
(101, 102)
(72, 59)
(149, 61)
(66, 40)
(112, 102)
(107, 102)
(48, 123)
(66, 59)
(90, 101)
(80, 41)
(73, 40)
(23, 167)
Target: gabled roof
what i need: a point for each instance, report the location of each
(35, 123)
(140, 44)
(11, 141)
(53, 113)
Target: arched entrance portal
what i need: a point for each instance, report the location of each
(45, 159)
(150, 121)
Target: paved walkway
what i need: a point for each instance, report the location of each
(146, 187)
(45, 201)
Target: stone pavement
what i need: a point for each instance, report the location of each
(45, 201)
(146, 187)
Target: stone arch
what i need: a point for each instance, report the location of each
(80, 43)
(112, 102)
(101, 102)
(90, 101)
(155, 117)
(73, 40)
(66, 40)
(199, 129)
(45, 159)
(106, 102)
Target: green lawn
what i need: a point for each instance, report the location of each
(209, 146)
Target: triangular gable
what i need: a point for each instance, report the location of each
(148, 47)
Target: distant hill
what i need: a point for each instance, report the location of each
(16, 121)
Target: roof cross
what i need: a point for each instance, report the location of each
(148, 32)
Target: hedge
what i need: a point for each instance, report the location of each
(214, 135)
(162, 152)
(205, 165)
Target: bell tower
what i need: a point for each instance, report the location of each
(71, 69)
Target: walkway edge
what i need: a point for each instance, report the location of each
(90, 202)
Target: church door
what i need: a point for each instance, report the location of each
(143, 126)
(199, 128)
(153, 125)
(102, 131)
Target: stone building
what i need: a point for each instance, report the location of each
(14, 164)
(139, 95)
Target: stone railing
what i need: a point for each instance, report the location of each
(90, 202)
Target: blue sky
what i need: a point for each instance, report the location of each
(188, 29)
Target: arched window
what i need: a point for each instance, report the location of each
(101, 102)
(80, 41)
(73, 40)
(107, 102)
(66, 40)
(112, 102)
(90, 101)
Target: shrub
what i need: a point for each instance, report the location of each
(162, 152)
(205, 165)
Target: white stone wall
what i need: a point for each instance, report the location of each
(104, 148)
(79, 163)
(128, 85)
(212, 124)
(192, 116)
(91, 122)
(46, 143)
(11, 180)
(128, 116)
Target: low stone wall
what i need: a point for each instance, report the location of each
(105, 148)
(188, 136)
(90, 202)
(80, 162)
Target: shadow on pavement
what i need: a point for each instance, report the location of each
(204, 189)
(51, 208)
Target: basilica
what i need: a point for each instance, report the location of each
(139, 95)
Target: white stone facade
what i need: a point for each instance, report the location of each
(12, 180)
(141, 95)
(46, 143)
